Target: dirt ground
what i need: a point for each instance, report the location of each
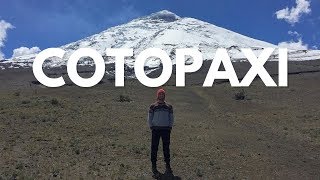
(102, 132)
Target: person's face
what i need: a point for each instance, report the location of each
(161, 96)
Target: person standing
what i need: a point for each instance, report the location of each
(160, 120)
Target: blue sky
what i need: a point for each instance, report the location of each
(45, 23)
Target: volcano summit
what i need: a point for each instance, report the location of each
(167, 31)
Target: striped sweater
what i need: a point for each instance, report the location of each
(160, 116)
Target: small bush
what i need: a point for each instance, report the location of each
(137, 150)
(241, 95)
(54, 102)
(55, 173)
(124, 98)
(17, 93)
(19, 166)
(25, 102)
(35, 82)
(199, 172)
(77, 151)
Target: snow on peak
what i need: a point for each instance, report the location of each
(168, 31)
(164, 15)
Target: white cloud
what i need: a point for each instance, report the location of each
(293, 45)
(4, 26)
(25, 51)
(294, 33)
(293, 15)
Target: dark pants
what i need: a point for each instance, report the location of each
(165, 136)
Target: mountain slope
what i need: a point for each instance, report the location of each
(167, 31)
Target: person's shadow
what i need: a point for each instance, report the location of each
(167, 176)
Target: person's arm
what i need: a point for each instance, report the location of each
(171, 117)
(150, 116)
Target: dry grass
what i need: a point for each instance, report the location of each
(75, 133)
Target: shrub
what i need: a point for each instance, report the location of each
(25, 102)
(124, 98)
(241, 95)
(17, 93)
(54, 101)
(199, 172)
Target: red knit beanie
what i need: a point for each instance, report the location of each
(160, 91)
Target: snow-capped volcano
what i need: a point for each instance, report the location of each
(167, 31)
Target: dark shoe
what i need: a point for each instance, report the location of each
(156, 173)
(168, 169)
